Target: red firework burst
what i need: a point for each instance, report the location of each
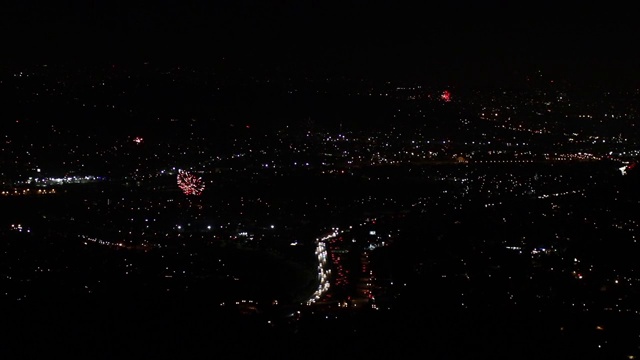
(189, 183)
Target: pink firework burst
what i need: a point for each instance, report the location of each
(189, 183)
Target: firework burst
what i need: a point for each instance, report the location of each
(189, 183)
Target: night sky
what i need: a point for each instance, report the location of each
(495, 224)
(481, 42)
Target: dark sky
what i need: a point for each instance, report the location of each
(480, 41)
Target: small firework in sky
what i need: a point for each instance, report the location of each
(189, 183)
(446, 96)
(137, 140)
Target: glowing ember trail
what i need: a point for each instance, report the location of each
(626, 168)
(189, 183)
